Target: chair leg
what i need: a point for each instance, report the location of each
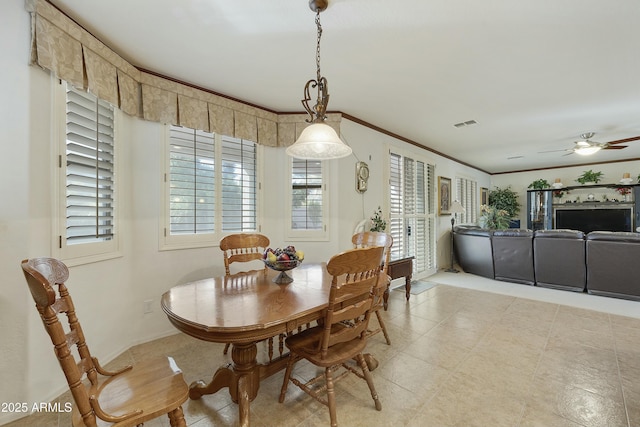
(226, 348)
(176, 418)
(331, 397)
(369, 379)
(287, 375)
(383, 327)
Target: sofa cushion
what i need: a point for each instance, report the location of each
(513, 255)
(613, 266)
(559, 259)
(472, 246)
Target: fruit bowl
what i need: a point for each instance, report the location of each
(282, 267)
(282, 260)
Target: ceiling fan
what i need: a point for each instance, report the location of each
(584, 146)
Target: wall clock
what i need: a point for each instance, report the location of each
(362, 176)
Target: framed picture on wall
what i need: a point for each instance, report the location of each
(484, 196)
(444, 195)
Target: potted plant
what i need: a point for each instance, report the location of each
(559, 194)
(590, 176)
(505, 199)
(378, 223)
(492, 218)
(539, 184)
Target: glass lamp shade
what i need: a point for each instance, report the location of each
(584, 148)
(585, 151)
(319, 141)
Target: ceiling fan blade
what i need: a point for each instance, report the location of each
(615, 147)
(555, 151)
(569, 153)
(620, 141)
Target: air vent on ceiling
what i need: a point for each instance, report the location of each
(467, 123)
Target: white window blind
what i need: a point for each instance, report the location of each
(213, 187)
(467, 191)
(192, 189)
(306, 195)
(239, 210)
(412, 219)
(90, 216)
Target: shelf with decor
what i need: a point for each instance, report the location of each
(585, 207)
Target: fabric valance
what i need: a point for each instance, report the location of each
(72, 54)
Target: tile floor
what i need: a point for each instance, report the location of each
(468, 352)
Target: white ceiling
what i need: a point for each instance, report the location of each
(533, 74)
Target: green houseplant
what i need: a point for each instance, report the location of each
(505, 199)
(378, 223)
(590, 176)
(493, 219)
(539, 184)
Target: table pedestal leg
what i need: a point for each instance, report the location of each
(242, 378)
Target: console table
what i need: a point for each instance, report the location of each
(402, 267)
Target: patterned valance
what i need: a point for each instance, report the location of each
(63, 47)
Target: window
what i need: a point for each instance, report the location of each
(211, 188)
(86, 225)
(238, 185)
(307, 202)
(412, 207)
(467, 192)
(191, 182)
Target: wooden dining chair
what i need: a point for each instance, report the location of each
(128, 397)
(381, 292)
(244, 247)
(341, 335)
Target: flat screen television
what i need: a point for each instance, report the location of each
(587, 220)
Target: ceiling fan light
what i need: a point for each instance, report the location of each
(319, 141)
(586, 150)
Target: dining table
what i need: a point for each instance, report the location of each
(243, 309)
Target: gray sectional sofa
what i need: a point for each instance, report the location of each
(601, 262)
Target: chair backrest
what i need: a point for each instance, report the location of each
(243, 247)
(355, 273)
(366, 239)
(43, 275)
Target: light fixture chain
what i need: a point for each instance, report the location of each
(318, 43)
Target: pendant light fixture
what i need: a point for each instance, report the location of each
(318, 140)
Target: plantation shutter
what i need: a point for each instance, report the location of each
(239, 184)
(192, 183)
(306, 193)
(467, 196)
(89, 168)
(396, 203)
(411, 202)
(430, 235)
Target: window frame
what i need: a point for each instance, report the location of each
(167, 241)
(80, 253)
(311, 235)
